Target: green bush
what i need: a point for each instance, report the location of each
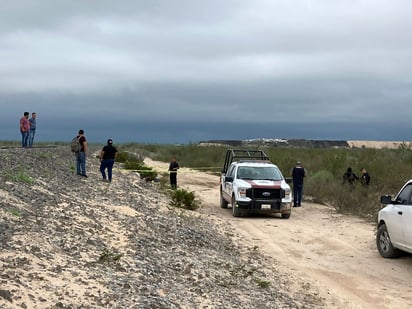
(183, 199)
(19, 176)
(133, 162)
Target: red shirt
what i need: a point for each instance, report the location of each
(24, 124)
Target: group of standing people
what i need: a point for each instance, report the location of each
(107, 158)
(27, 129)
(349, 177)
(299, 173)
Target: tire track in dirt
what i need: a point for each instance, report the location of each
(335, 253)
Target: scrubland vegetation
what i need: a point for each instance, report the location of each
(389, 169)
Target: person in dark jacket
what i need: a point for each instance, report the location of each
(298, 174)
(107, 158)
(365, 178)
(173, 167)
(349, 177)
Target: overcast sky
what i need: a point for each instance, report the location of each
(311, 62)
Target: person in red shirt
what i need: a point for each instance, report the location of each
(81, 155)
(24, 129)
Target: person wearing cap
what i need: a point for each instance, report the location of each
(298, 174)
(107, 158)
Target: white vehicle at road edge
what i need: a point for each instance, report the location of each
(394, 230)
(253, 184)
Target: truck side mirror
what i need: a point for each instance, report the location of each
(386, 199)
(288, 179)
(228, 179)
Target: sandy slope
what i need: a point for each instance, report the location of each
(335, 253)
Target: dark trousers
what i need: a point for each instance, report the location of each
(297, 195)
(173, 180)
(107, 163)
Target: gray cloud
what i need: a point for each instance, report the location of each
(236, 61)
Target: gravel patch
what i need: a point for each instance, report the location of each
(71, 242)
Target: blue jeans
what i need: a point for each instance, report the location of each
(24, 138)
(107, 163)
(81, 163)
(31, 137)
(297, 194)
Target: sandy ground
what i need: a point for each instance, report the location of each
(379, 144)
(335, 253)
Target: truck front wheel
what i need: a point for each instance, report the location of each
(223, 202)
(286, 215)
(235, 210)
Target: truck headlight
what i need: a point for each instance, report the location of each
(288, 194)
(241, 192)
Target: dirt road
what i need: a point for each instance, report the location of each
(335, 254)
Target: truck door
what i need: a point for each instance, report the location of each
(407, 219)
(403, 217)
(228, 185)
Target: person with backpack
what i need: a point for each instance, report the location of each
(81, 154)
(107, 158)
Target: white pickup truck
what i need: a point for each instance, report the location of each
(253, 184)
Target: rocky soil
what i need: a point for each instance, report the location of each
(71, 242)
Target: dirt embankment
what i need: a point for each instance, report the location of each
(335, 253)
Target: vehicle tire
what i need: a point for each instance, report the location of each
(286, 215)
(384, 244)
(223, 202)
(235, 210)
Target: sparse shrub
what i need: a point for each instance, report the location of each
(19, 176)
(262, 283)
(108, 256)
(183, 199)
(15, 212)
(123, 156)
(134, 163)
(164, 180)
(147, 173)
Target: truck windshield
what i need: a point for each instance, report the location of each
(259, 172)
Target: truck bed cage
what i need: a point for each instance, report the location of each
(244, 155)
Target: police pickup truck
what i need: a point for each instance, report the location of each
(251, 183)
